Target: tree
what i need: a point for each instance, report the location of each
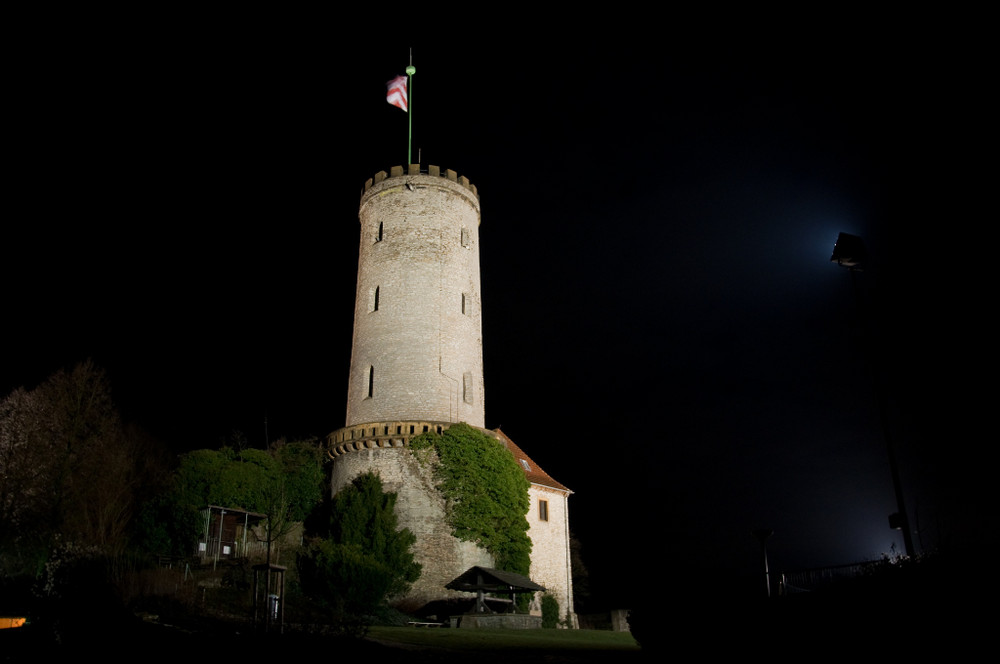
(289, 487)
(358, 558)
(27, 469)
(284, 483)
(68, 464)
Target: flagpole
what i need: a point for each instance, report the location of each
(410, 71)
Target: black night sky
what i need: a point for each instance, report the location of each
(664, 331)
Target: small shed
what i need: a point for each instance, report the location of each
(482, 580)
(227, 533)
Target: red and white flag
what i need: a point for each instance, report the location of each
(397, 92)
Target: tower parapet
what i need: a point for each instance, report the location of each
(414, 169)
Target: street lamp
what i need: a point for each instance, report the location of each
(762, 534)
(850, 252)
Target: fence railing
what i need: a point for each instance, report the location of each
(812, 579)
(251, 549)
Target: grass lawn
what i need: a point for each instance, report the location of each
(518, 640)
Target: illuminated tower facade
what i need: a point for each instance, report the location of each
(417, 354)
(417, 366)
(417, 351)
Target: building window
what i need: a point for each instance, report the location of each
(463, 303)
(524, 464)
(371, 381)
(378, 236)
(543, 510)
(375, 299)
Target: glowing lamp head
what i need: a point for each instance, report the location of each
(849, 252)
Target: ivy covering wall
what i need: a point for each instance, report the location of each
(485, 489)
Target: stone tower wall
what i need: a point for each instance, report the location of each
(418, 350)
(421, 509)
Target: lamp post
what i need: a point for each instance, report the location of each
(850, 252)
(762, 534)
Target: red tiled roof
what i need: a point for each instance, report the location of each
(533, 471)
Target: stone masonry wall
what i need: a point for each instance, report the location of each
(420, 508)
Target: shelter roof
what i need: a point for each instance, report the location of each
(486, 579)
(232, 511)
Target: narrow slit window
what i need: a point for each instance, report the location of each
(543, 510)
(463, 303)
(378, 236)
(375, 299)
(467, 394)
(371, 381)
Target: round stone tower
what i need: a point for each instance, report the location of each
(417, 352)
(417, 366)
(417, 355)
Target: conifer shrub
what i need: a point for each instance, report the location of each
(550, 611)
(357, 557)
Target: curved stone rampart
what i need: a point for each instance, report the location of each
(372, 435)
(420, 507)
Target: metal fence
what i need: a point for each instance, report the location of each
(812, 579)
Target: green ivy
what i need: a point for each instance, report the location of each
(486, 491)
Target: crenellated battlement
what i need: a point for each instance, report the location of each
(371, 435)
(414, 169)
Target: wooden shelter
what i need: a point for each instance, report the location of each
(482, 580)
(227, 533)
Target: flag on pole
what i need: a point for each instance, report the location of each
(397, 92)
